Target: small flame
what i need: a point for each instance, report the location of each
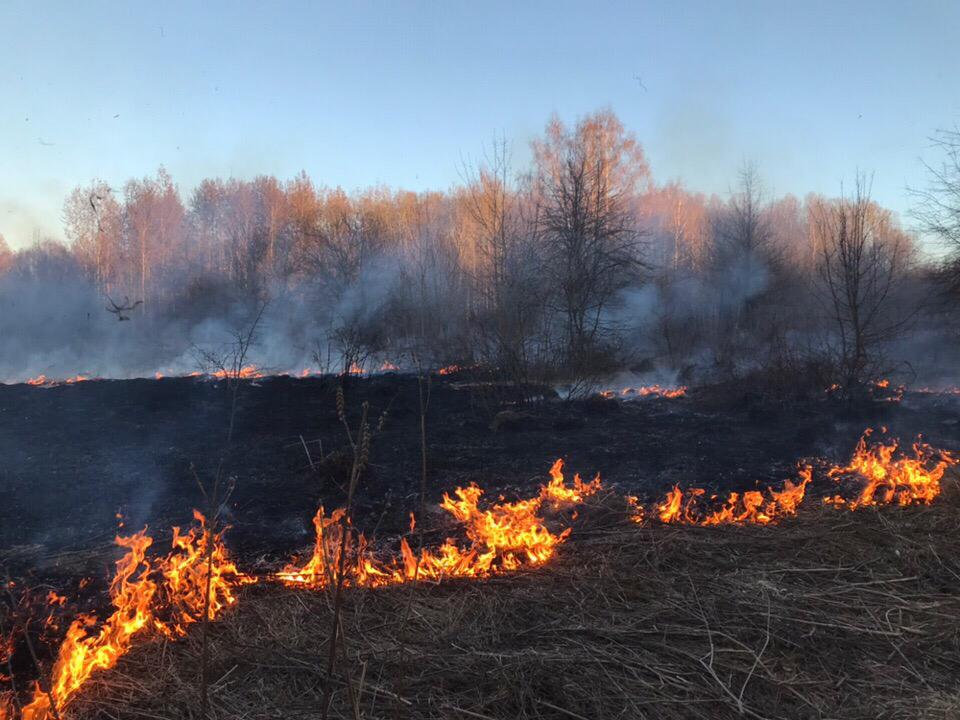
(750, 507)
(247, 372)
(646, 391)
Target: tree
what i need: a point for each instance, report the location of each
(863, 256)
(93, 223)
(939, 204)
(154, 220)
(588, 179)
(6, 255)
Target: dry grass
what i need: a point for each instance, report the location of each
(833, 615)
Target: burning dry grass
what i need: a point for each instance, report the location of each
(833, 614)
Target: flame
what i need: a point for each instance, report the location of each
(750, 507)
(891, 475)
(502, 538)
(889, 393)
(247, 372)
(185, 573)
(646, 391)
(44, 381)
(160, 596)
(451, 369)
(388, 366)
(556, 491)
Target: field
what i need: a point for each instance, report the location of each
(825, 614)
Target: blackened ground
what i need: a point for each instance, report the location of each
(73, 457)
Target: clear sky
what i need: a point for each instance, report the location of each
(401, 93)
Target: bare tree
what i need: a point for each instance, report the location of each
(587, 180)
(939, 203)
(862, 258)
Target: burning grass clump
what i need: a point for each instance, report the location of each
(831, 614)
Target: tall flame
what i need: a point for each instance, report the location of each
(161, 596)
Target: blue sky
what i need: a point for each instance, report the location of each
(401, 93)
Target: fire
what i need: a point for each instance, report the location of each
(893, 476)
(502, 538)
(185, 574)
(44, 381)
(161, 597)
(557, 492)
(750, 507)
(883, 391)
(388, 366)
(646, 391)
(150, 597)
(451, 369)
(247, 372)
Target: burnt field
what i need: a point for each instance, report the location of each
(689, 606)
(75, 457)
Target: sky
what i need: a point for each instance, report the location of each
(404, 93)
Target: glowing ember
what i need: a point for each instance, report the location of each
(892, 476)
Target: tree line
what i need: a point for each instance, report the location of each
(577, 265)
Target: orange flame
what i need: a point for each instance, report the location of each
(143, 594)
(892, 476)
(557, 492)
(503, 538)
(247, 372)
(750, 507)
(646, 391)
